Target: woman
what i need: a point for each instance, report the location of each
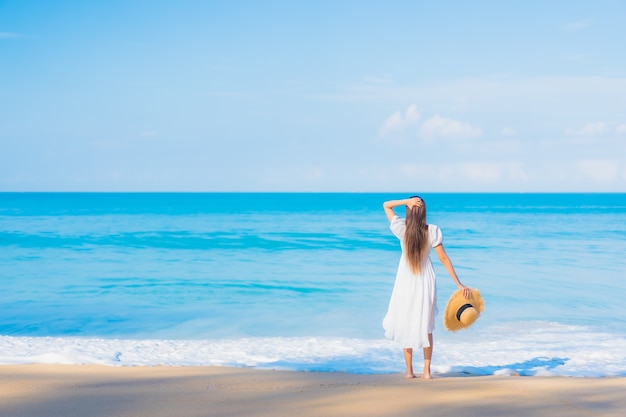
(410, 319)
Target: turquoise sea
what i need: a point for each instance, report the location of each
(301, 281)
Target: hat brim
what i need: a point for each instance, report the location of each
(456, 301)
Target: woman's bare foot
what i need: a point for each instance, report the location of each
(409, 376)
(427, 376)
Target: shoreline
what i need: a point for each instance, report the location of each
(99, 391)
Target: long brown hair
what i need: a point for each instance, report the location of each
(416, 246)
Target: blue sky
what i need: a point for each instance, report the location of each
(337, 95)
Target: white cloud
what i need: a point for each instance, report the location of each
(575, 26)
(599, 169)
(539, 98)
(575, 58)
(9, 35)
(481, 172)
(621, 128)
(398, 123)
(373, 79)
(218, 67)
(435, 127)
(443, 127)
(476, 173)
(315, 172)
(148, 134)
(229, 94)
(414, 171)
(590, 129)
(507, 131)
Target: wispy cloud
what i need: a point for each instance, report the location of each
(507, 131)
(621, 129)
(576, 58)
(488, 93)
(148, 134)
(397, 123)
(479, 172)
(437, 126)
(590, 129)
(10, 35)
(599, 169)
(442, 127)
(576, 25)
(229, 94)
(218, 68)
(373, 79)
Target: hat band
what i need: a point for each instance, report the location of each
(462, 309)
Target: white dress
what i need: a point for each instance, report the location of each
(413, 304)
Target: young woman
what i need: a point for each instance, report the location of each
(410, 319)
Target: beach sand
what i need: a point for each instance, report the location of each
(99, 391)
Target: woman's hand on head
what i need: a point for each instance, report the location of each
(414, 202)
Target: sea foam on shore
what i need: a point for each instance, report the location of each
(529, 349)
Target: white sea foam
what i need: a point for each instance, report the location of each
(527, 349)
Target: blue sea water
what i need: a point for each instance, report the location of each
(301, 281)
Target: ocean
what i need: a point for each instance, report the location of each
(301, 281)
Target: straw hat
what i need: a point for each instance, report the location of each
(461, 312)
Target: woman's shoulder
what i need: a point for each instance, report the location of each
(435, 235)
(433, 229)
(398, 225)
(397, 221)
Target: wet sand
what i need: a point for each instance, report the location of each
(99, 391)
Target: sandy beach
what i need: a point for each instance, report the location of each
(99, 391)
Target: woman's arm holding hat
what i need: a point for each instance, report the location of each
(447, 263)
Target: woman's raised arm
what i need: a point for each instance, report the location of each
(391, 204)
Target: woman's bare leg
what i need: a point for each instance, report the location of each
(408, 358)
(428, 355)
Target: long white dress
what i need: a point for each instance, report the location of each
(413, 304)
